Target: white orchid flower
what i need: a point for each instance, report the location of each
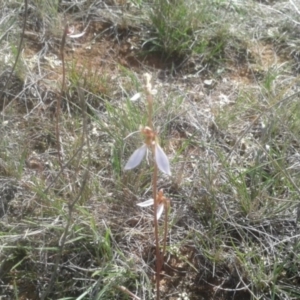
(136, 157)
(161, 158)
(162, 203)
(149, 202)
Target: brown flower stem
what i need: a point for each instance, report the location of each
(157, 251)
(150, 109)
(165, 230)
(149, 100)
(158, 262)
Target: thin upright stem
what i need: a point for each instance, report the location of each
(149, 100)
(58, 104)
(154, 188)
(150, 108)
(157, 251)
(165, 230)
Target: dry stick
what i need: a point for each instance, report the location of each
(71, 205)
(85, 177)
(154, 190)
(84, 126)
(126, 291)
(62, 240)
(18, 53)
(45, 191)
(58, 105)
(62, 169)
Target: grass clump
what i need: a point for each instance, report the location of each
(182, 28)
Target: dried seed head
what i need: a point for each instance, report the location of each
(148, 82)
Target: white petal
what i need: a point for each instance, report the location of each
(160, 210)
(146, 203)
(136, 158)
(76, 36)
(135, 97)
(162, 160)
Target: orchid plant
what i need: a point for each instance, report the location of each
(160, 162)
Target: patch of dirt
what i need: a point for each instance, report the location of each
(98, 53)
(262, 57)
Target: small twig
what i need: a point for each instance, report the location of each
(58, 106)
(126, 291)
(18, 53)
(84, 135)
(62, 169)
(71, 205)
(62, 240)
